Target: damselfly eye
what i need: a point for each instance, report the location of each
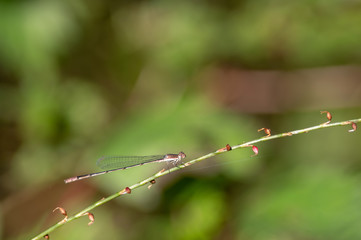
(182, 155)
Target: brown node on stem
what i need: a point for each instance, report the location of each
(228, 147)
(47, 236)
(328, 115)
(152, 182)
(225, 149)
(126, 190)
(266, 131)
(63, 212)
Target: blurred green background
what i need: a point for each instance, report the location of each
(82, 79)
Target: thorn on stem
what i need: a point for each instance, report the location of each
(47, 236)
(63, 212)
(266, 131)
(328, 115)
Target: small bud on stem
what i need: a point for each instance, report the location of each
(254, 149)
(266, 131)
(353, 125)
(63, 212)
(328, 115)
(91, 218)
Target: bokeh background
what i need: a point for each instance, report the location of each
(82, 79)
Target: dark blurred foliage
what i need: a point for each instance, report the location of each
(79, 79)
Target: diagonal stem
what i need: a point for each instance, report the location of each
(209, 155)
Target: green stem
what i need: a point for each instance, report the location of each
(162, 173)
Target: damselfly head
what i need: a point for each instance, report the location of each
(182, 155)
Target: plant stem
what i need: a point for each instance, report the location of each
(162, 173)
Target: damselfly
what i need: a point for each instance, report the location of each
(114, 163)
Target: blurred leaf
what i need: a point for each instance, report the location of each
(317, 202)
